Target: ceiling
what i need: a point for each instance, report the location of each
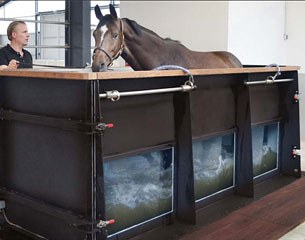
(3, 2)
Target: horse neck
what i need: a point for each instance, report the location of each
(144, 51)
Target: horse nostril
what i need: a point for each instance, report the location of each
(95, 68)
(99, 67)
(103, 67)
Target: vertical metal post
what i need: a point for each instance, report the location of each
(244, 163)
(98, 201)
(184, 174)
(2, 138)
(67, 34)
(78, 33)
(36, 28)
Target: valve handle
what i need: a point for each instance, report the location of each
(102, 224)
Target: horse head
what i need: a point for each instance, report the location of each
(111, 47)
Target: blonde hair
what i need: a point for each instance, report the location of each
(12, 27)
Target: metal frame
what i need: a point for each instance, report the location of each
(34, 21)
(3, 2)
(61, 123)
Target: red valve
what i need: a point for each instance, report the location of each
(110, 125)
(296, 97)
(295, 152)
(111, 221)
(102, 224)
(103, 126)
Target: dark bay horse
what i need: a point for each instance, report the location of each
(143, 49)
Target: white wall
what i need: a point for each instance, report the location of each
(295, 25)
(253, 31)
(199, 25)
(256, 32)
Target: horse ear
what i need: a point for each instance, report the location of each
(98, 12)
(112, 11)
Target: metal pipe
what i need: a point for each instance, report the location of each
(116, 95)
(19, 227)
(36, 29)
(47, 46)
(268, 81)
(34, 21)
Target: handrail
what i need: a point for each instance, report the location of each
(186, 87)
(268, 81)
(47, 46)
(116, 95)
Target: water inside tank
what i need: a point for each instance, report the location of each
(138, 188)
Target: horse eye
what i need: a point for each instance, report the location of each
(114, 35)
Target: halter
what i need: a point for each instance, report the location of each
(120, 50)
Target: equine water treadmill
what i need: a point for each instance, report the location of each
(72, 158)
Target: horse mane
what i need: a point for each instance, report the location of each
(138, 29)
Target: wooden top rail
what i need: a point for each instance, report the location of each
(87, 74)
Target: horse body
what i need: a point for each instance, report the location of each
(143, 49)
(169, 52)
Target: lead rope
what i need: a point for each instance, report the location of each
(278, 73)
(189, 82)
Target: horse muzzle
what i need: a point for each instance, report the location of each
(99, 67)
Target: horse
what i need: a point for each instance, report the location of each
(143, 49)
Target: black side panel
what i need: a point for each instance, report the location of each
(213, 107)
(139, 121)
(290, 127)
(46, 97)
(244, 163)
(46, 164)
(184, 173)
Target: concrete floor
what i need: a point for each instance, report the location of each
(298, 233)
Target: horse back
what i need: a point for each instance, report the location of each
(229, 59)
(220, 59)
